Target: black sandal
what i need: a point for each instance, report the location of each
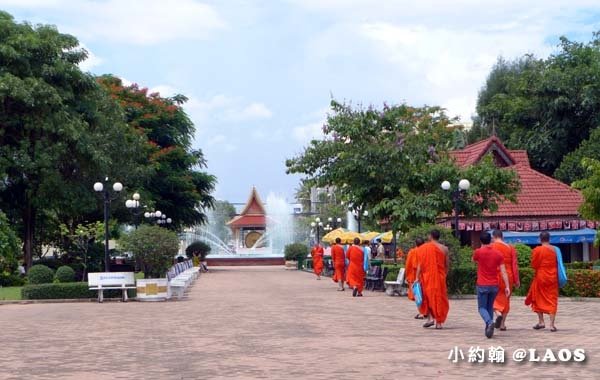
(554, 329)
(429, 324)
(539, 327)
(502, 328)
(419, 316)
(354, 292)
(498, 322)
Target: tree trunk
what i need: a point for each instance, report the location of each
(29, 225)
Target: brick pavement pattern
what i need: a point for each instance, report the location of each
(269, 323)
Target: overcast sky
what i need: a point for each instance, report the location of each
(260, 74)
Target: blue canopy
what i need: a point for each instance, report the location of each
(586, 235)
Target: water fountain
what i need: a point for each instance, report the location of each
(279, 232)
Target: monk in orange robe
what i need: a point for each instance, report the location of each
(502, 302)
(543, 292)
(432, 269)
(355, 275)
(410, 271)
(339, 263)
(317, 255)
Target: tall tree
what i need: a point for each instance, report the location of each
(176, 184)
(58, 129)
(392, 161)
(546, 106)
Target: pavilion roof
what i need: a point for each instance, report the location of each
(253, 214)
(540, 195)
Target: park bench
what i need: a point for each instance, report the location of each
(102, 281)
(181, 276)
(372, 275)
(395, 287)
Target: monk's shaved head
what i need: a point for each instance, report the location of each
(338, 240)
(497, 234)
(545, 237)
(419, 242)
(435, 234)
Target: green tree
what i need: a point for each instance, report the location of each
(83, 236)
(222, 213)
(175, 185)
(392, 161)
(546, 106)
(153, 247)
(58, 131)
(10, 246)
(590, 188)
(199, 248)
(571, 169)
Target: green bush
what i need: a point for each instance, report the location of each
(40, 274)
(582, 283)
(393, 270)
(526, 276)
(199, 248)
(10, 279)
(296, 252)
(153, 247)
(461, 280)
(72, 290)
(65, 274)
(465, 258)
(407, 240)
(523, 255)
(10, 247)
(579, 265)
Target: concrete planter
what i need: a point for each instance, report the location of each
(152, 289)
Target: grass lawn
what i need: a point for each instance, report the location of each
(10, 293)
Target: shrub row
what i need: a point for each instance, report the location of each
(10, 279)
(72, 290)
(461, 280)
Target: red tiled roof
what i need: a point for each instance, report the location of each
(540, 195)
(248, 221)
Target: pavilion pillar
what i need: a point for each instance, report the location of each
(586, 252)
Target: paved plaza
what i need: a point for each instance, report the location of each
(266, 322)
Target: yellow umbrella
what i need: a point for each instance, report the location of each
(386, 237)
(348, 237)
(330, 237)
(369, 235)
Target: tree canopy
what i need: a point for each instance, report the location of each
(393, 161)
(546, 106)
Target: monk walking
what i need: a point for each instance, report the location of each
(339, 263)
(355, 275)
(543, 293)
(432, 269)
(502, 302)
(410, 273)
(317, 255)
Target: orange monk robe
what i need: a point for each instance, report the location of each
(432, 260)
(317, 255)
(543, 292)
(410, 271)
(355, 275)
(502, 303)
(339, 262)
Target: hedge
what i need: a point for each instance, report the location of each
(72, 290)
(65, 274)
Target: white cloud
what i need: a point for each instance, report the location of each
(91, 61)
(226, 108)
(307, 132)
(140, 22)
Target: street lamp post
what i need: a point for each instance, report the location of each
(134, 205)
(317, 225)
(358, 214)
(101, 187)
(463, 186)
(158, 217)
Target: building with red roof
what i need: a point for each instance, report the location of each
(543, 204)
(250, 225)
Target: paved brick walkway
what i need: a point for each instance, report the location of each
(265, 322)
